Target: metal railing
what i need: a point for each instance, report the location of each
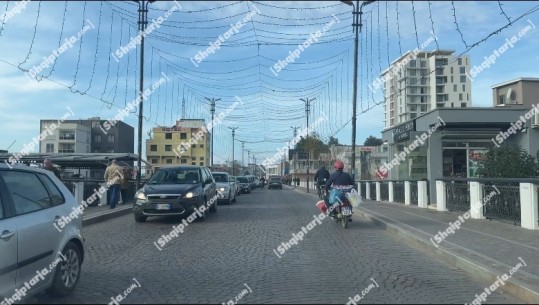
(373, 190)
(414, 193)
(384, 191)
(457, 196)
(398, 191)
(91, 186)
(502, 202)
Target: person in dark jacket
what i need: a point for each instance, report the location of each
(339, 177)
(322, 175)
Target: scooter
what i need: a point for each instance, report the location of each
(341, 211)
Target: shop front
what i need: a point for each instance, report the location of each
(450, 143)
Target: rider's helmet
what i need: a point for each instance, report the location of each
(339, 165)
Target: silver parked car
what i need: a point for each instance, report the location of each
(225, 186)
(41, 244)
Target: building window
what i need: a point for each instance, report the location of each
(411, 72)
(50, 148)
(460, 96)
(168, 136)
(424, 81)
(95, 124)
(412, 63)
(201, 158)
(463, 78)
(467, 96)
(194, 146)
(153, 147)
(201, 163)
(462, 70)
(155, 161)
(193, 163)
(413, 81)
(168, 147)
(455, 88)
(201, 145)
(193, 158)
(452, 105)
(451, 70)
(463, 87)
(463, 105)
(423, 64)
(67, 135)
(111, 138)
(452, 79)
(184, 161)
(423, 108)
(97, 138)
(460, 61)
(413, 115)
(183, 135)
(169, 161)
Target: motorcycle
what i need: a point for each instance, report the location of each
(341, 211)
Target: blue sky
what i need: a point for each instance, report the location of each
(241, 67)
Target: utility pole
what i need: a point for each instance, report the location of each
(307, 110)
(254, 165)
(142, 23)
(212, 109)
(358, 11)
(295, 146)
(233, 134)
(248, 159)
(242, 152)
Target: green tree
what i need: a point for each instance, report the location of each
(315, 145)
(333, 141)
(373, 141)
(507, 161)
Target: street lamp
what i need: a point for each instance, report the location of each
(212, 109)
(142, 22)
(307, 110)
(356, 25)
(233, 134)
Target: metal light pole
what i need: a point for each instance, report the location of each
(142, 22)
(355, 24)
(212, 109)
(233, 134)
(307, 110)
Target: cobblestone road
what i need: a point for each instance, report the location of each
(213, 260)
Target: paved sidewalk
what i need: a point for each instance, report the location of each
(97, 214)
(482, 247)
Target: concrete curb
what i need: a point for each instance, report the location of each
(108, 214)
(522, 285)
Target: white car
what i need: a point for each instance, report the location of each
(225, 186)
(41, 245)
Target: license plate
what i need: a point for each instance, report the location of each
(346, 211)
(163, 207)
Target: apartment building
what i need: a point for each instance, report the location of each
(518, 93)
(86, 136)
(163, 148)
(418, 82)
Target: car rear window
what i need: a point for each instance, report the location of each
(275, 179)
(219, 178)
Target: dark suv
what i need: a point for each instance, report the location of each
(275, 182)
(177, 190)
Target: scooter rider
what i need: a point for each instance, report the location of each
(321, 176)
(339, 177)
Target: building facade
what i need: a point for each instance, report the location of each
(87, 136)
(518, 93)
(185, 143)
(417, 83)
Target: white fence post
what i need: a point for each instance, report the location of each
(441, 204)
(422, 198)
(378, 194)
(390, 191)
(368, 190)
(476, 200)
(528, 206)
(407, 193)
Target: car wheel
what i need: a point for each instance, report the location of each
(68, 272)
(203, 217)
(140, 218)
(213, 207)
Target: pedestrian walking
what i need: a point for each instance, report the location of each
(113, 177)
(297, 181)
(50, 167)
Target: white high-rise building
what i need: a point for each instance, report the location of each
(418, 82)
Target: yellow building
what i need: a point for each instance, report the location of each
(187, 143)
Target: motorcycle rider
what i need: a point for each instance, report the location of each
(339, 177)
(321, 176)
